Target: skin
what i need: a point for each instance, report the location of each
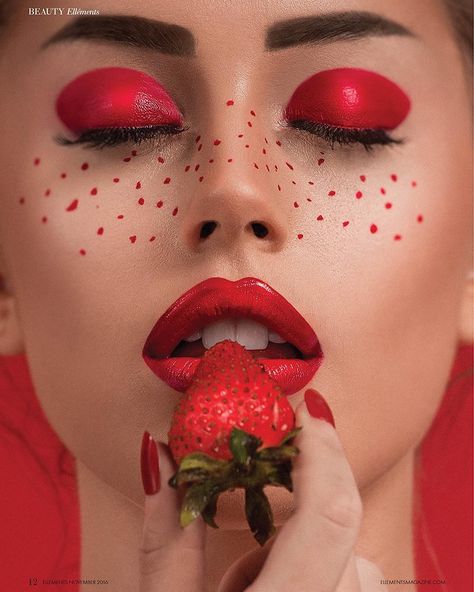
(388, 313)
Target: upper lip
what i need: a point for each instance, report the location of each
(217, 298)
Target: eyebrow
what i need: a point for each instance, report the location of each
(335, 26)
(129, 30)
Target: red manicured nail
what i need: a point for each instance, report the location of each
(150, 465)
(317, 406)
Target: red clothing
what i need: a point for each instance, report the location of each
(40, 520)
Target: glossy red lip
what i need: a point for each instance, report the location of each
(115, 97)
(351, 98)
(217, 298)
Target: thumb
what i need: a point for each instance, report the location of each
(166, 547)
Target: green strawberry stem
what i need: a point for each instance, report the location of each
(204, 478)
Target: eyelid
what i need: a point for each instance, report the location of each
(349, 98)
(115, 97)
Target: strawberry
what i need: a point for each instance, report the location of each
(232, 428)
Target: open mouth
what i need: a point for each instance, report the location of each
(248, 311)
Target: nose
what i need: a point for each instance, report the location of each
(237, 207)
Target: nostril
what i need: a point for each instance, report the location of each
(259, 229)
(207, 228)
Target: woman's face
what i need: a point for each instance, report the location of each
(371, 246)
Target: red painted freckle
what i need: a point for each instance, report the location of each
(229, 103)
(255, 165)
(279, 187)
(167, 181)
(229, 160)
(331, 193)
(419, 218)
(161, 160)
(127, 159)
(120, 217)
(82, 252)
(388, 205)
(253, 113)
(175, 211)
(320, 161)
(72, 206)
(296, 204)
(382, 191)
(141, 201)
(199, 147)
(319, 217)
(138, 185)
(217, 142)
(266, 141)
(132, 239)
(22, 200)
(186, 168)
(93, 191)
(47, 193)
(359, 194)
(100, 231)
(134, 152)
(373, 228)
(308, 199)
(36, 161)
(278, 143)
(394, 178)
(289, 166)
(249, 123)
(211, 160)
(413, 183)
(196, 168)
(310, 183)
(197, 139)
(240, 136)
(294, 182)
(152, 238)
(267, 167)
(84, 166)
(345, 223)
(363, 178)
(201, 179)
(276, 168)
(300, 236)
(44, 219)
(264, 151)
(397, 237)
(63, 175)
(159, 204)
(116, 180)
(247, 145)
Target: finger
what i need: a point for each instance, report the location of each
(245, 569)
(370, 576)
(166, 547)
(350, 581)
(314, 545)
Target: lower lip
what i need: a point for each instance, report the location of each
(290, 374)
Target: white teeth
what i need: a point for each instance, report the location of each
(194, 337)
(251, 335)
(218, 331)
(275, 338)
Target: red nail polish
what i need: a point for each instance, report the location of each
(150, 465)
(317, 406)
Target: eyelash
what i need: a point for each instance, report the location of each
(115, 136)
(109, 137)
(368, 137)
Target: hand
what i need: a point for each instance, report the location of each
(312, 551)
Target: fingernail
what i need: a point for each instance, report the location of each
(150, 465)
(317, 406)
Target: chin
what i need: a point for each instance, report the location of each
(230, 513)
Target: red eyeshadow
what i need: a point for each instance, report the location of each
(350, 98)
(115, 97)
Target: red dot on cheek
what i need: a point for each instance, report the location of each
(199, 147)
(187, 167)
(63, 175)
(373, 228)
(249, 123)
(217, 142)
(47, 193)
(134, 152)
(132, 239)
(159, 204)
(359, 194)
(93, 191)
(229, 160)
(175, 212)
(388, 205)
(161, 160)
(413, 183)
(36, 161)
(138, 185)
(120, 217)
(362, 178)
(44, 219)
(296, 204)
(100, 231)
(201, 179)
(382, 191)
(127, 159)
(290, 166)
(397, 237)
(141, 201)
(197, 139)
(152, 238)
(394, 178)
(72, 206)
(116, 180)
(320, 161)
(300, 236)
(196, 168)
(229, 103)
(253, 113)
(82, 252)
(167, 181)
(419, 218)
(84, 166)
(278, 143)
(345, 223)
(22, 200)
(319, 217)
(331, 193)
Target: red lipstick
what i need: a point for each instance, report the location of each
(115, 97)
(351, 98)
(219, 298)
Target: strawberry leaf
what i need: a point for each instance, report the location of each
(196, 498)
(290, 435)
(243, 445)
(259, 514)
(210, 511)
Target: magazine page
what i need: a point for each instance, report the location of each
(236, 296)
